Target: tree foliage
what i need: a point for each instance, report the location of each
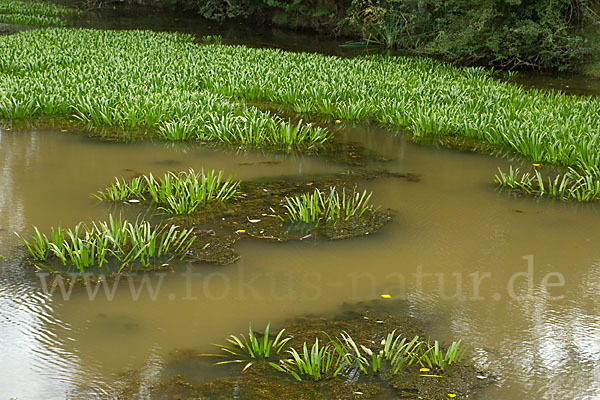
(506, 33)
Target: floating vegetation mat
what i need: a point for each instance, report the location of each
(97, 77)
(182, 89)
(357, 337)
(261, 210)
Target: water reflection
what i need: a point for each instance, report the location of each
(38, 360)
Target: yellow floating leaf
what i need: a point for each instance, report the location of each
(240, 231)
(386, 296)
(424, 370)
(536, 165)
(451, 395)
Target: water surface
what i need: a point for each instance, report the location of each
(447, 227)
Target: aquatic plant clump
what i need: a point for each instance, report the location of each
(34, 13)
(368, 325)
(175, 192)
(253, 348)
(247, 126)
(94, 245)
(393, 354)
(319, 362)
(571, 186)
(322, 206)
(343, 355)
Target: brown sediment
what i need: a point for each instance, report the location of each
(213, 248)
(257, 212)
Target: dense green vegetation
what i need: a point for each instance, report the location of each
(132, 80)
(505, 33)
(98, 77)
(99, 243)
(175, 192)
(34, 13)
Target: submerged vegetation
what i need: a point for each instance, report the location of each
(34, 13)
(98, 243)
(569, 186)
(175, 192)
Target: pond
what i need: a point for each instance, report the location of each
(516, 279)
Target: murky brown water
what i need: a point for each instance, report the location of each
(452, 228)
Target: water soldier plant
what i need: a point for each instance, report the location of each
(344, 356)
(320, 362)
(240, 210)
(435, 357)
(98, 243)
(175, 192)
(322, 206)
(339, 356)
(104, 85)
(395, 350)
(367, 325)
(252, 349)
(571, 186)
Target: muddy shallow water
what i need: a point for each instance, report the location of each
(449, 230)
